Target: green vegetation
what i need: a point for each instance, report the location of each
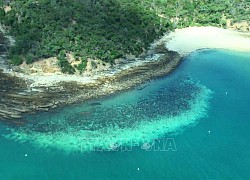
(64, 63)
(104, 29)
(81, 67)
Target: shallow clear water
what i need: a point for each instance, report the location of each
(208, 119)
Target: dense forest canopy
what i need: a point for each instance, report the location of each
(104, 29)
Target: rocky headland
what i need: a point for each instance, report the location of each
(22, 93)
(28, 89)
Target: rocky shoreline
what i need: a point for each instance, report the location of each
(18, 98)
(22, 94)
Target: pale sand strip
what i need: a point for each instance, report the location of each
(187, 40)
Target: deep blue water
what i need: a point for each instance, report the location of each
(214, 144)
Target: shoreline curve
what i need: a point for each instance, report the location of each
(166, 54)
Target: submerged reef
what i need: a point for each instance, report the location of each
(179, 103)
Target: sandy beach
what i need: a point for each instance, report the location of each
(187, 40)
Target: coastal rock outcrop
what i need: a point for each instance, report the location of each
(19, 99)
(20, 94)
(242, 26)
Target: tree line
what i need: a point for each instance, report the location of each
(104, 29)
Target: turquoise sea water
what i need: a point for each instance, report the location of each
(206, 114)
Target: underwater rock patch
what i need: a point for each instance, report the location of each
(182, 102)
